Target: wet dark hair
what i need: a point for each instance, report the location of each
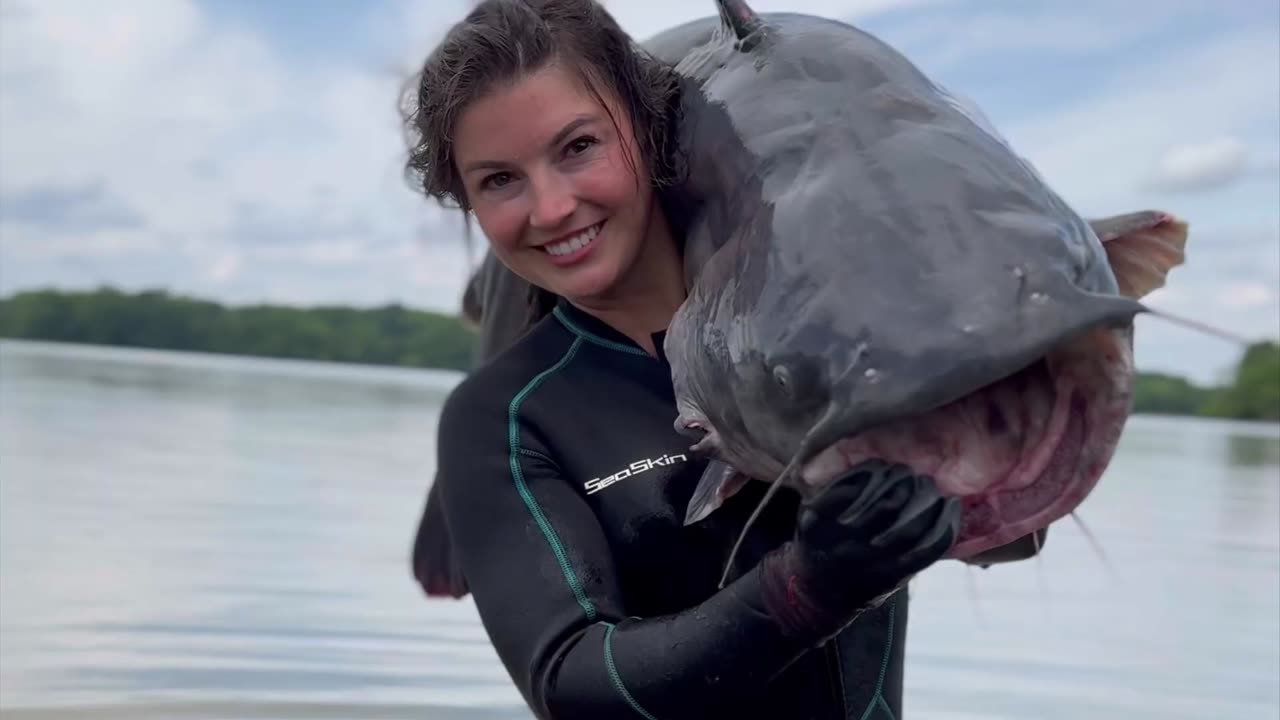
(503, 40)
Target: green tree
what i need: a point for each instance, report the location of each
(389, 335)
(1255, 392)
(1167, 395)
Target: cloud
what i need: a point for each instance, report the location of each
(946, 40)
(164, 138)
(1207, 165)
(1099, 150)
(1246, 295)
(225, 267)
(84, 206)
(257, 223)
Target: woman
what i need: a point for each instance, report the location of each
(561, 478)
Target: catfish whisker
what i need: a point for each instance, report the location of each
(1041, 584)
(773, 488)
(1093, 541)
(1197, 325)
(972, 586)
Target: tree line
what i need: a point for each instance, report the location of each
(397, 335)
(1252, 394)
(387, 335)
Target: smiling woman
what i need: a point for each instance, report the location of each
(562, 483)
(544, 163)
(559, 195)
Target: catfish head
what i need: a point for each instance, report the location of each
(898, 284)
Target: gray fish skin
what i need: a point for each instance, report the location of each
(865, 248)
(897, 255)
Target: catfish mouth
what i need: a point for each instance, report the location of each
(1021, 452)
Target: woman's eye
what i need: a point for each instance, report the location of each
(581, 145)
(496, 180)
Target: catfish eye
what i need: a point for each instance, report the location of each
(795, 381)
(782, 376)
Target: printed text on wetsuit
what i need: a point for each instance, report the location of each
(595, 485)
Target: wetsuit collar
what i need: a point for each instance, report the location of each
(595, 326)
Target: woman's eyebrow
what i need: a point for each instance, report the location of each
(556, 140)
(568, 129)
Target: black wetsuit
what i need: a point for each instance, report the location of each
(564, 485)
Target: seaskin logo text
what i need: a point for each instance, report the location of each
(595, 485)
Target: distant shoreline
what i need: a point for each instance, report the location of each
(397, 336)
(199, 358)
(392, 334)
(441, 378)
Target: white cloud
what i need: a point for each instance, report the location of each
(1098, 153)
(1200, 166)
(1246, 295)
(225, 267)
(229, 157)
(132, 104)
(945, 41)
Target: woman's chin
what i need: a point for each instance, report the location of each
(582, 282)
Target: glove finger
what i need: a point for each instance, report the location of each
(921, 512)
(847, 489)
(856, 487)
(877, 509)
(859, 520)
(941, 536)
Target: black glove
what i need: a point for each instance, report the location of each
(857, 542)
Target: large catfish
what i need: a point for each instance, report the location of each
(891, 279)
(873, 271)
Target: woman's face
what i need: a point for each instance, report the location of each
(544, 169)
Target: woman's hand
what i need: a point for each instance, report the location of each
(857, 542)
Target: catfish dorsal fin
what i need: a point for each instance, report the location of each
(1142, 248)
(738, 18)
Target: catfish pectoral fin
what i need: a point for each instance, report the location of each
(719, 482)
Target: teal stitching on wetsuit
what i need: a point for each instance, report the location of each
(513, 441)
(617, 679)
(878, 700)
(595, 338)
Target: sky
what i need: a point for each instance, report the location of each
(250, 151)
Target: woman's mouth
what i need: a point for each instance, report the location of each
(575, 248)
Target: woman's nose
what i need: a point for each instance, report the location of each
(553, 202)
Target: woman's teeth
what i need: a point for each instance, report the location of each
(576, 242)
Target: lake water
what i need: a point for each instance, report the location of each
(189, 536)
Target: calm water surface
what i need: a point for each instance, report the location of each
(188, 536)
